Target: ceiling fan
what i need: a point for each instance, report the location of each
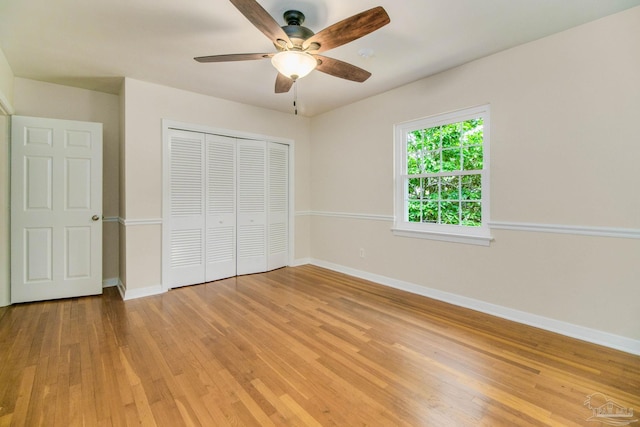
(298, 47)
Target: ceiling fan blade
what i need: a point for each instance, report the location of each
(349, 29)
(234, 57)
(283, 83)
(261, 19)
(341, 69)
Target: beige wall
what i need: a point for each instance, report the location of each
(564, 150)
(6, 82)
(5, 296)
(38, 99)
(6, 108)
(122, 236)
(145, 105)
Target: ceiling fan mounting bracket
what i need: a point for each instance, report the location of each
(293, 17)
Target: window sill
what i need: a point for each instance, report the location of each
(468, 239)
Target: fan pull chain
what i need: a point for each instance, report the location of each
(295, 97)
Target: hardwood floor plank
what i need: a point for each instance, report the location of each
(296, 346)
(5, 420)
(299, 411)
(25, 388)
(140, 402)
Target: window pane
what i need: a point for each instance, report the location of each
(413, 211)
(450, 213)
(449, 188)
(432, 138)
(472, 214)
(431, 189)
(471, 187)
(432, 162)
(412, 137)
(412, 164)
(472, 158)
(451, 135)
(430, 212)
(415, 139)
(413, 152)
(472, 133)
(451, 160)
(414, 190)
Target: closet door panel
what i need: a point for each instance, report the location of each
(252, 207)
(278, 205)
(221, 207)
(186, 228)
(227, 207)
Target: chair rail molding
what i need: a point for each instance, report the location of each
(580, 230)
(142, 221)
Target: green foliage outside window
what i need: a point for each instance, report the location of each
(442, 185)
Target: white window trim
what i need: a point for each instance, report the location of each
(451, 233)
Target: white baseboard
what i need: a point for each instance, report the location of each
(129, 294)
(594, 336)
(121, 289)
(300, 261)
(109, 283)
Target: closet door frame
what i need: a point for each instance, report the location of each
(168, 125)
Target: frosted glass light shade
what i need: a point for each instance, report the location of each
(294, 64)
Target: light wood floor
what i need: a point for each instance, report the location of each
(298, 346)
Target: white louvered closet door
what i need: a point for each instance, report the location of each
(278, 205)
(228, 207)
(252, 207)
(185, 230)
(221, 207)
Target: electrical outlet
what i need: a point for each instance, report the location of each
(361, 252)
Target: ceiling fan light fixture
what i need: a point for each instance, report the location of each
(294, 64)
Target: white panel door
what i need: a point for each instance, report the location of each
(278, 205)
(56, 209)
(221, 207)
(252, 207)
(184, 228)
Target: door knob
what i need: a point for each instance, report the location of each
(95, 217)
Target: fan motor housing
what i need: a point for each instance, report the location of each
(297, 32)
(294, 29)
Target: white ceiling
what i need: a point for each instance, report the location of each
(94, 43)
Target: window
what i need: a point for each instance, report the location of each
(442, 177)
